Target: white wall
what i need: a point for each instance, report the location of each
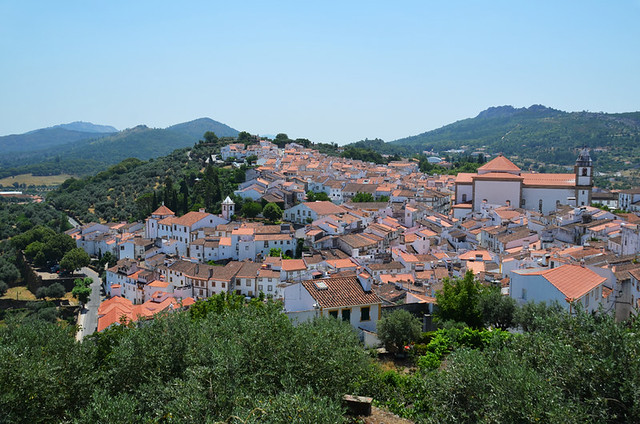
(549, 197)
(496, 193)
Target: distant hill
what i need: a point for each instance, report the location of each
(196, 128)
(46, 138)
(96, 151)
(535, 134)
(87, 127)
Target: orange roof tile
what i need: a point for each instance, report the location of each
(500, 164)
(573, 280)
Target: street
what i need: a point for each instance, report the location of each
(88, 320)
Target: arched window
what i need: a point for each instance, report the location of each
(540, 205)
(584, 172)
(464, 197)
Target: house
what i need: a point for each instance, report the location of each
(342, 298)
(569, 285)
(119, 310)
(310, 211)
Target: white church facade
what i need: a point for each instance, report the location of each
(501, 183)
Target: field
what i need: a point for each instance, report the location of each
(29, 179)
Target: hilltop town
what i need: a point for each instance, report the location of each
(380, 236)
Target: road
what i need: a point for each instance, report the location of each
(88, 320)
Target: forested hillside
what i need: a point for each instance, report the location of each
(134, 188)
(535, 134)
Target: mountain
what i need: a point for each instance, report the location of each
(46, 138)
(94, 152)
(196, 128)
(87, 127)
(535, 134)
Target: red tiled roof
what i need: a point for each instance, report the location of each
(340, 292)
(324, 207)
(573, 280)
(293, 264)
(500, 163)
(562, 180)
(163, 210)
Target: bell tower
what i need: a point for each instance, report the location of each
(584, 178)
(228, 208)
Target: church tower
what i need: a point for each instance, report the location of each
(228, 208)
(584, 178)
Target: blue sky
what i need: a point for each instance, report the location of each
(328, 71)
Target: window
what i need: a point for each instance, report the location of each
(346, 315)
(584, 172)
(224, 285)
(260, 287)
(365, 313)
(248, 283)
(333, 314)
(464, 197)
(269, 288)
(524, 293)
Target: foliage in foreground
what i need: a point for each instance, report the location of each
(245, 364)
(570, 369)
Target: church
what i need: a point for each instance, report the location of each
(500, 182)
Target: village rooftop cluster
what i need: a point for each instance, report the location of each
(536, 236)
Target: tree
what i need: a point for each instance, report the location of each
(210, 137)
(75, 259)
(244, 137)
(41, 292)
(320, 196)
(497, 310)
(272, 212)
(459, 300)
(3, 288)
(251, 209)
(397, 329)
(56, 290)
(82, 289)
(281, 140)
(362, 197)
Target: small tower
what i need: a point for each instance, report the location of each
(228, 208)
(584, 178)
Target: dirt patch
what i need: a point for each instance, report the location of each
(380, 416)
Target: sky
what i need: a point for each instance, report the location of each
(329, 71)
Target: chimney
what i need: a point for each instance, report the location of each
(364, 282)
(201, 210)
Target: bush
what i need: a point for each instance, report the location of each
(56, 290)
(3, 288)
(397, 329)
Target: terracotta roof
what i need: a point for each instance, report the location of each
(190, 218)
(573, 280)
(340, 292)
(163, 210)
(324, 207)
(293, 265)
(498, 176)
(500, 164)
(249, 270)
(473, 254)
(465, 177)
(562, 180)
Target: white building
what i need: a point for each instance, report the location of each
(310, 211)
(348, 299)
(569, 285)
(500, 182)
